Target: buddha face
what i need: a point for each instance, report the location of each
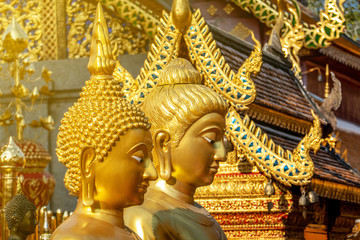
(28, 224)
(122, 178)
(195, 160)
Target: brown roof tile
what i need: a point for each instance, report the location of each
(276, 86)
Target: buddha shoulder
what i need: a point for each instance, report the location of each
(85, 228)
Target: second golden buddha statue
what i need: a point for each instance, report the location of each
(188, 125)
(105, 143)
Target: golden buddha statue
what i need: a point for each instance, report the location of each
(188, 126)
(105, 143)
(20, 216)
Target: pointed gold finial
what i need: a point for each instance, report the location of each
(14, 39)
(101, 59)
(327, 89)
(11, 156)
(181, 14)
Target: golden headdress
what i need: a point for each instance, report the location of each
(101, 115)
(180, 99)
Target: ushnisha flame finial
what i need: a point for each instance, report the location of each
(101, 58)
(181, 14)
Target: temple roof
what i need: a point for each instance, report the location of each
(276, 86)
(330, 170)
(278, 91)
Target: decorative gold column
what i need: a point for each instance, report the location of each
(12, 160)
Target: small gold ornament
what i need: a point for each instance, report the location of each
(228, 9)
(212, 10)
(34, 95)
(45, 74)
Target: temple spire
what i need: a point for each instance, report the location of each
(101, 59)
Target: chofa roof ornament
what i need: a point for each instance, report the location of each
(237, 88)
(329, 27)
(202, 51)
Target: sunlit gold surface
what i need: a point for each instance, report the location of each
(105, 143)
(188, 128)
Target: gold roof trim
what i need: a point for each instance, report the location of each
(333, 190)
(319, 35)
(289, 168)
(134, 13)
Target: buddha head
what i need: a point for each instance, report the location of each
(20, 215)
(188, 125)
(104, 141)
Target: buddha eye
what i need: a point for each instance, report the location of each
(209, 140)
(139, 159)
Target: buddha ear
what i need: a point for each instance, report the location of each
(15, 223)
(162, 145)
(87, 169)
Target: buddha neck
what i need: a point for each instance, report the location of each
(112, 216)
(17, 236)
(180, 191)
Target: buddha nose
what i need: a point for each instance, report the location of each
(150, 171)
(220, 153)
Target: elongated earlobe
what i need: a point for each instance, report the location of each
(87, 175)
(163, 150)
